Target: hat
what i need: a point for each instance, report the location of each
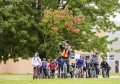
(44, 59)
(36, 54)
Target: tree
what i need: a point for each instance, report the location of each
(24, 31)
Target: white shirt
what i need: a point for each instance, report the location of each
(36, 61)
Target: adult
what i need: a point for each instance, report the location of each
(66, 55)
(95, 61)
(36, 62)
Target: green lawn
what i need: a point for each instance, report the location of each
(27, 79)
(15, 76)
(63, 81)
(115, 74)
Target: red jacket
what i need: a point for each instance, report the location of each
(52, 66)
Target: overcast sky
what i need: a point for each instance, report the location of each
(117, 22)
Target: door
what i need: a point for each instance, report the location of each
(116, 66)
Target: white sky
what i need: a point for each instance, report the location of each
(117, 17)
(117, 22)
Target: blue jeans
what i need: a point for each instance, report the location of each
(66, 60)
(107, 71)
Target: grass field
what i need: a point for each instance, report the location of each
(115, 74)
(15, 76)
(63, 81)
(27, 79)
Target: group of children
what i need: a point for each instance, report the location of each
(54, 68)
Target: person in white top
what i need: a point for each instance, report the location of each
(36, 62)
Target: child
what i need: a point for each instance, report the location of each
(52, 67)
(45, 67)
(71, 71)
(105, 67)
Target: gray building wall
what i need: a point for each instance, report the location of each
(115, 45)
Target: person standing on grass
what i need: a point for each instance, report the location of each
(36, 62)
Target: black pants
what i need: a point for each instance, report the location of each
(107, 69)
(71, 74)
(45, 72)
(52, 71)
(40, 70)
(108, 72)
(97, 69)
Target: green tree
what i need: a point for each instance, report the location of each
(22, 31)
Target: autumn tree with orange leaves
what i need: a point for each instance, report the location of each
(57, 20)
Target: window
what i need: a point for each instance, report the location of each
(111, 57)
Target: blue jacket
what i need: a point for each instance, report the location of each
(80, 62)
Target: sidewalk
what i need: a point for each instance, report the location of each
(110, 77)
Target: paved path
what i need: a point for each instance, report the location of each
(15, 78)
(111, 77)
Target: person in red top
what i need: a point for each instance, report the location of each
(52, 68)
